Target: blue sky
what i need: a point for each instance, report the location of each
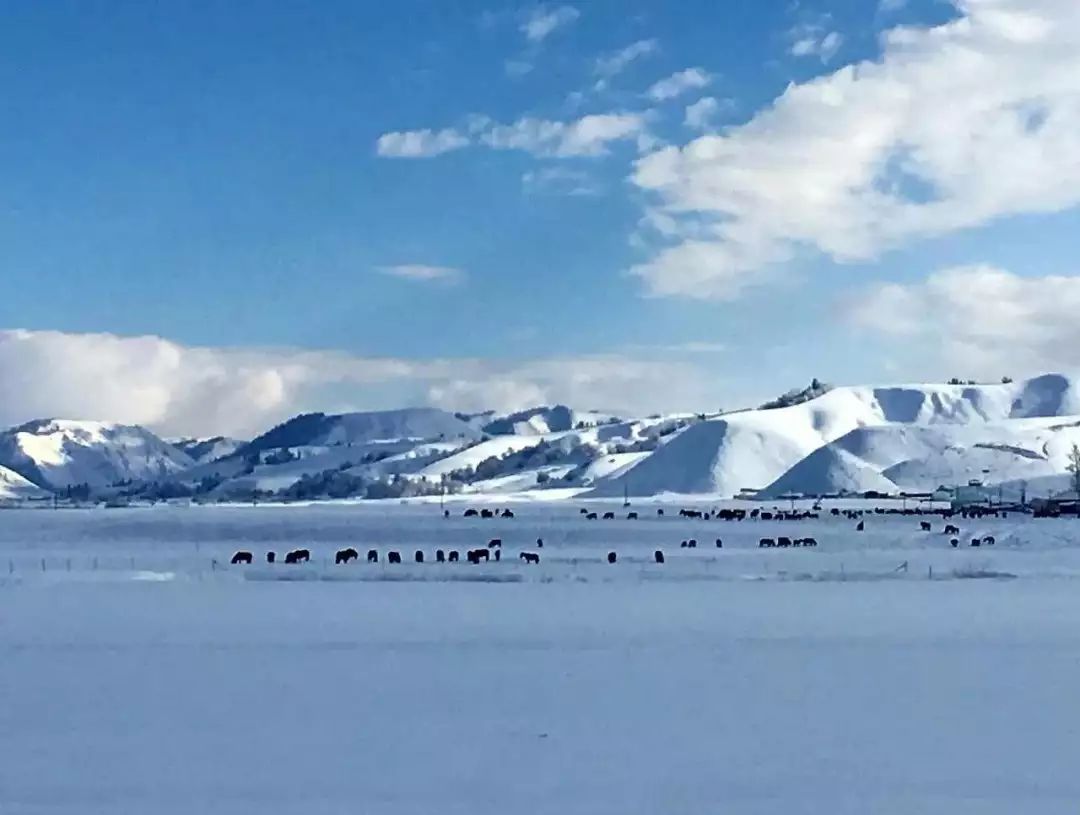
(231, 176)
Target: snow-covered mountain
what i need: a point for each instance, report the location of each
(203, 450)
(59, 453)
(321, 430)
(14, 487)
(848, 439)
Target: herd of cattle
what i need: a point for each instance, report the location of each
(493, 550)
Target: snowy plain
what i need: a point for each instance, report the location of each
(140, 677)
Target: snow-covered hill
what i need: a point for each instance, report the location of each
(58, 453)
(784, 449)
(204, 450)
(319, 429)
(544, 420)
(14, 487)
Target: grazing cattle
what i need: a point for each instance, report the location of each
(530, 557)
(440, 556)
(298, 556)
(241, 557)
(393, 557)
(766, 543)
(719, 544)
(989, 540)
(507, 513)
(611, 557)
(453, 556)
(809, 542)
(345, 555)
(495, 543)
(954, 543)
(658, 556)
(951, 530)
(592, 516)
(859, 527)
(783, 543)
(419, 556)
(583, 511)
(609, 516)
(471, 513)
(660, 511)
(631, 516)
(925, 526)
(270, 557)
(539, 543)
(372, 556)
(476, 555)
(498, 554)
(976, 542)
(683, 545)
(691, 544)
(446, 513)
(486, 513)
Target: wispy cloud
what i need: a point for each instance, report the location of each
(560, 181)
(678, 84)
(609, 65)
(543, 21)
(702, 114)
(587, 136)
(813, 40)
(420, 143)
(424, 273)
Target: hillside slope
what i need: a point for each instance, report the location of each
(58, 453)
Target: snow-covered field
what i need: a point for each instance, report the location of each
(137, 677)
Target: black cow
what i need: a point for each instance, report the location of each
(954, 543)
(631, 516)
(298, 556)
(393, 557)
(440, 556)
(658, 556)
(476, 555)
(989, 540)
(809, 542)
(530, 557)
(507, 513)
(271, 557)
(486, 513)
(951, 530)
(691, 544)
(471, 513)
(372, 556)
(925, 526)
(495, 542)
(611, 557)
(345, 555)
(592, 516)
(660, 511)
(766, 543)
(859, 527)
(719, 544)
(241, 557)
(419, 556)
(783, 543)
(453, 556)
(609, 516)
(539, 543)
(976, 542)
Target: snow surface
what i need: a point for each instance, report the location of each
(14, 487)
(728, 680)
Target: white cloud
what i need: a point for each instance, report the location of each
(587, 136)
(544, 21)
(609, 65)
(701, 114)
(678, 84)
(424, 273)
(980, 321)
(420, 143)
(560, 181)
(813, 42)
(953, 127)
(183, 390)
